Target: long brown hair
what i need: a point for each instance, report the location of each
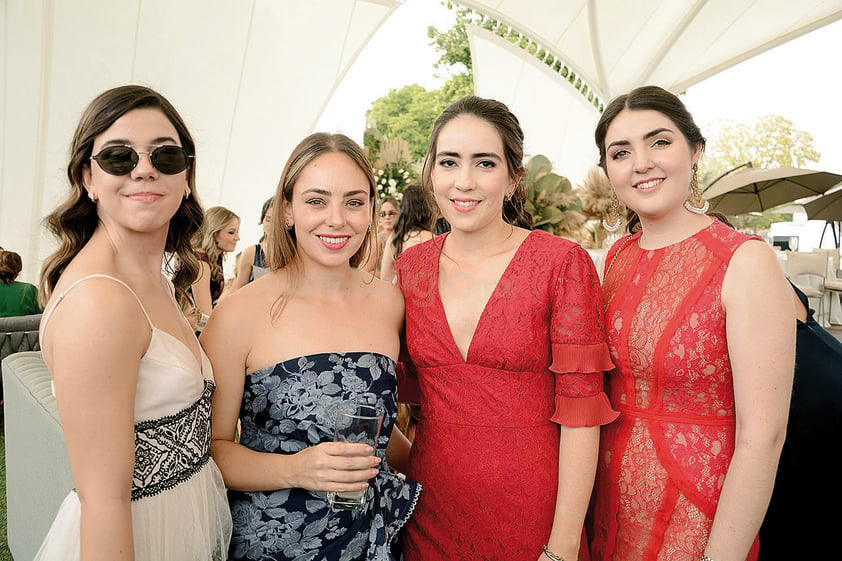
(507, 125)
(652, 98)
(74, 221)
(281, 249)
(216, 219)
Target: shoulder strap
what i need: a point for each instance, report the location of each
(60, 297)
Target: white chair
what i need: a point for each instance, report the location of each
(807, 271)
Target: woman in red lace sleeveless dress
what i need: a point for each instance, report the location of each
(700, 329)
(504, 329)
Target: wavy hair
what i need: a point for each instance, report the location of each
(216, 219)
(652, 98)
(508, 127)
(73, 222)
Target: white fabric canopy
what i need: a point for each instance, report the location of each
(250, 77)
(616, 46)
(557, 120)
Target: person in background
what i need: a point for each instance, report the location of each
(16, 298)
(388, 213)
(412, 227)
(252, 264)
(700, 328)
(385, 220)
(132, 385)
(505, 335)
(219, 235)
(287, 349)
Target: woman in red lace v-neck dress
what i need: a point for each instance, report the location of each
(700, 328)
(504, 329)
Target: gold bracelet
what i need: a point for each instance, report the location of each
(550, 554)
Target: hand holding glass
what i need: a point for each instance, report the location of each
(360, 424)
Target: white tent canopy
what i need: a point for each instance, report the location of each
(615, 46)
(557, 120)
(250, 77)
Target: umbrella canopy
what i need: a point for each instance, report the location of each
(756, 190)
(827, 207)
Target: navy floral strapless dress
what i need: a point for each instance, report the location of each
(291, 406)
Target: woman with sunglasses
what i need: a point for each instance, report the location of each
(412, 227)
(287, 349)
(132, 384)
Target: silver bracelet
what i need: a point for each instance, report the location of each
(550, 554)
(705, 558)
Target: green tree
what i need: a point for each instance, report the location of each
(771, 141)
(407, 113)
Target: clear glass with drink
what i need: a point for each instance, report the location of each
(359, 424)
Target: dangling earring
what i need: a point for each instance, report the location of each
(612, 223)
(92, 196)
(695, 203)
(187, 193)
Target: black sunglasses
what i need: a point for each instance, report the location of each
(120, 160)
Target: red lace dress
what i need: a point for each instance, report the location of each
(486, 446)
(663, 463)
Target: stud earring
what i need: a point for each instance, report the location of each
(92, 196)
(695, 203)
(612, 222)
(287, 225)
(186, 193)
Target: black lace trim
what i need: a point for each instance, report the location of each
(170, 450)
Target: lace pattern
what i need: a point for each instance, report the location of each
(170, 450)
(663, 464)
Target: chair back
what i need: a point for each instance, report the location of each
(833, 254)
(806, 263)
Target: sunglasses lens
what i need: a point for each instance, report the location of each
(170, 159)
(117, 160)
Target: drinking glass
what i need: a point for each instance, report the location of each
(360, 424)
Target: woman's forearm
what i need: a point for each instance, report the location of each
(577, 460)
(745, 497)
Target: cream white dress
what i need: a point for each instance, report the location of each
(179, 506)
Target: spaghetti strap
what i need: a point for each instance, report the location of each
(60, 297)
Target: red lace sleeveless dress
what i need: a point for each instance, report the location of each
(486, 446)
(663, 463)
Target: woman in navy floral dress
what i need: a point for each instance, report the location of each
(286, 349)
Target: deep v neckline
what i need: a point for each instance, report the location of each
(488, 302)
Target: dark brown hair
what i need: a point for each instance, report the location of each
(507, 125)
(653, 98)
(416, 214)
(10, 266)
(75, 220)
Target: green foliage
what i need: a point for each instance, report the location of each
(769, 142)
(407, 113)
(550, 199)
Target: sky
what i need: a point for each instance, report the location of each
(792, 80)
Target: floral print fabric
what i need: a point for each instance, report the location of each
(291, 406)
